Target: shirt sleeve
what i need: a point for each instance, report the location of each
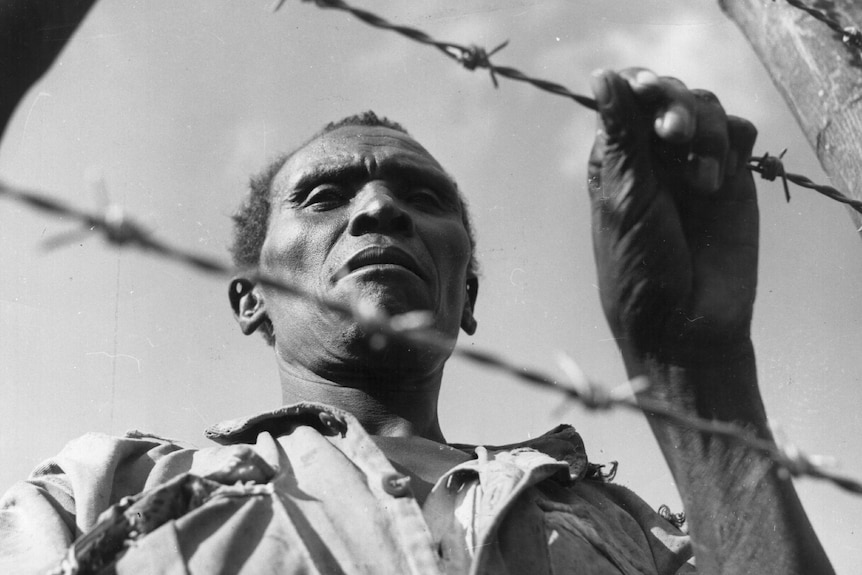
(63, 497)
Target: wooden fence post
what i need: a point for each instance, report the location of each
(819, 76)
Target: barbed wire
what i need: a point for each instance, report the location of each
(413, 328)
(471, 57)
(474, 56)
(850, 35)
(771, 167)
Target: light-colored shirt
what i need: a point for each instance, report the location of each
(336, 504)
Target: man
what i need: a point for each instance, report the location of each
(354, 474)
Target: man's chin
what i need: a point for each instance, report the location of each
(388, 299)
(396, 359)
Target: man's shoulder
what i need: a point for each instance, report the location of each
(96, 445)
(97, 457)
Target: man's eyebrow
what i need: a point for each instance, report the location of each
(328, 173)
(413, 173)
(408, 171)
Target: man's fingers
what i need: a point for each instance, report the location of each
(620, 161)
(671, 102)
(741, 135)
(708, 151)
(689, 127)
(616, 107)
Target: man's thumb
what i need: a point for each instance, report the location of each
(616, 107)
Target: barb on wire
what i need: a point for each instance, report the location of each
(477, 57)
(473, 57)
(771, 167)
(850, 35)
(413, 329)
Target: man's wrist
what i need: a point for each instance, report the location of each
(695, 353)
(718, 381)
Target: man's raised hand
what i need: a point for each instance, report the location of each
(675, 223)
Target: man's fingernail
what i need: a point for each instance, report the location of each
(599, 84)
(675, 124)
(708, 174)
(606, 99)
(646, 78)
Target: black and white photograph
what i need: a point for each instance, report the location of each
(480, 287)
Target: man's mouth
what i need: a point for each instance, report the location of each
(380, 256)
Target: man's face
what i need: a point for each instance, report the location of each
(364, 213)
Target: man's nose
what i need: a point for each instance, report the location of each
(379, 211)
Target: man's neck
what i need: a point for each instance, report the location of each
(382, 405)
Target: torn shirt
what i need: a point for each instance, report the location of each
(335, 504)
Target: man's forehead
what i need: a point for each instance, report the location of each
(356, 145)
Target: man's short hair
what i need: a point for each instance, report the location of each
(252, 217)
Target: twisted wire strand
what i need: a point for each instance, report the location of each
(473, 57)
(771, 168)
(851, 35)
(413, 328)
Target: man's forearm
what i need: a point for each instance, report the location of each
(744, 516)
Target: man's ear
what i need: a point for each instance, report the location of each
(248, 305)
(468, 322)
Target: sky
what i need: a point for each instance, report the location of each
(167, 108)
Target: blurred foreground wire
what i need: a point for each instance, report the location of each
(413, 328)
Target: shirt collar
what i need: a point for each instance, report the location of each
(562, 443)
(326, 419)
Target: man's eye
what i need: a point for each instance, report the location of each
(325, 198)
(425, 198)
